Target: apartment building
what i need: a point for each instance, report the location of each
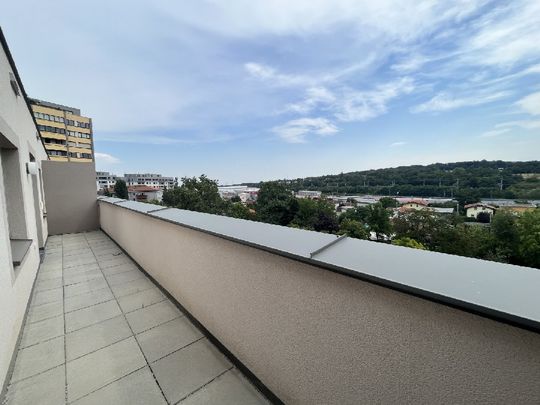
(67, 134)
(105, 180)
(151, 180)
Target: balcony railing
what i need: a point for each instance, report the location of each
(322, 319)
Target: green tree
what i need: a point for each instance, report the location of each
(275, 204)
(359, 214)
(239, 210)
(353, 229)
(528, 226)
(235, 199)
(408, 242)
(317, 215)
(378, 220)
(467, 196)
(120, 189)
(505, 236)
(422, 226)
(195, 194)
(389, 202)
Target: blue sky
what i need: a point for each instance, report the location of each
(254, 90)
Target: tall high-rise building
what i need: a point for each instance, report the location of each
(67, 135)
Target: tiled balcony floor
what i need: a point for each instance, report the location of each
(99, 331)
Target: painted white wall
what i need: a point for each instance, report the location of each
(473, 212)
(17, 126)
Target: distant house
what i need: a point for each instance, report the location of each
(309, 194)
(518, 209)
(472, 210)
(442, 210)
(144, 193)
(414, 205)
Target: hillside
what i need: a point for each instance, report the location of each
(497, 179)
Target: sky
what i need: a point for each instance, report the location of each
(246, 90)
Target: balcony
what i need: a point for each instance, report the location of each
(98, 330)
(135, 303)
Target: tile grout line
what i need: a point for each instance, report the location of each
(120, 340)
(180, 348)
(131, 329)
(109, 383)
(205, 385)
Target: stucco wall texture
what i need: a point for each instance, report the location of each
(317, 337)
(70, 196)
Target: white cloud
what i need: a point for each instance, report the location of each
(397, 144)
(272, 76)
(296, 131)
(315, 96)
(530, 104)
(505, 36)
(410, 64)
(161, 140)
(445, 102)
(364, 105)
(525, 124)
(495, 132)
(106, 158)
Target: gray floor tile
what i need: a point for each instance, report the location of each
(43, 330)
(116, 261)
(88, 299)
(82, 251)
(189, 369)
(230, 388)
(44, 297)
(81, 277)
(97, 336)
(48, 388)
(38, 358)
(45, 311)
(168, 337)
(125, 277)
(43, 285)
(93, 371)
(50, 275)
(140, 300)
(132, 287)
(81, 269)
(78, 261)
(91, 315)
(119, 269)
(138, 388)
(85, 287)
(151, 316)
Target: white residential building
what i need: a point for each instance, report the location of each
(308, 194)
(150, 180)
(144, 193)
(473, 210)
(105, 180)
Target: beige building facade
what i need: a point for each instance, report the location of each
(66, 134)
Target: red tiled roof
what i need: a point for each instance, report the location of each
(141, 188)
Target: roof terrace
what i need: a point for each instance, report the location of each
(99, 331)
(139, 304)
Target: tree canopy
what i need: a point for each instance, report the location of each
(120, 189)
(195, 194)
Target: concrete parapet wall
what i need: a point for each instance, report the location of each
(314, 336)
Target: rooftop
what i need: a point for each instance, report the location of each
(99, 331)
